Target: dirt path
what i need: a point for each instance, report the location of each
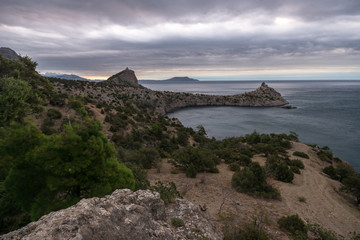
(322, 204)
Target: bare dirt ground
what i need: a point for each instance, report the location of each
(320, 201)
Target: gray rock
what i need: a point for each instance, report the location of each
(122, 215)
(8, 53)
(124, 77)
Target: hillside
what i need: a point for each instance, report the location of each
(62, 141)
(172, 80)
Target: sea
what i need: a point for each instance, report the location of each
(327, 112)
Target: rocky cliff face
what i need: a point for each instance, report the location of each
(121, 215)
(125, 77)
(8, 53)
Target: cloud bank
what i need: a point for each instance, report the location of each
(207, 39)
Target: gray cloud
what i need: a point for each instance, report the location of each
(101, 37)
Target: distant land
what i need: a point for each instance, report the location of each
(67, 77)
(171, 80)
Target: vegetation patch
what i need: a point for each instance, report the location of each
(301, 154)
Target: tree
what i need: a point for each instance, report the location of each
(45, 173)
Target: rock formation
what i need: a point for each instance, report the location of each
(125, 77)
(8, 53)
(122, 215)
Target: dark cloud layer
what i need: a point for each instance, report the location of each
(160, 38)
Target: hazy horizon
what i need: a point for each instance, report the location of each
(203, 39)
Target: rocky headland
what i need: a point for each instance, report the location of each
(124, 85)
(122, 215)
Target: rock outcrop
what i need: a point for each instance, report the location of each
(125, 77)
(8, 53)
(122, 215)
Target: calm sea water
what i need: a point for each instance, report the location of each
(327, 114)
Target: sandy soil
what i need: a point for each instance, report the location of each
(323, 205)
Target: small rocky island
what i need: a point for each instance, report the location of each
(125, 85)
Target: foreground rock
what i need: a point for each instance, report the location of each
(122, 215)
(125, 77)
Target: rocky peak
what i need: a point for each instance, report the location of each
(125, 77)
(122, 215)
(8, 53)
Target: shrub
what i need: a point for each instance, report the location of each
(297, 163)
(295, 169)
(177, 222)
(168, 193)
(200, 159)
(191, 171)
(325, 155)
(53, 114)
(301, 154)
(331, 172)
(293, 224)
(283, 173)
(319, 232)
(252, 180)
(234, 166)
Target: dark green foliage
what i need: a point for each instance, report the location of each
(293, 224)
(301, 154)
(295, 169)
(297, 163)
(325, 155)
(320, 233)
(140, 176)
(77, 104)
(44, 173)
(234, 166)
(145, 157)
(191, 171)
(53, 114)
(352, 185)
(168, 192)
(200, 159)
(331, 172)
(283, 173)
(177, 222)
(252, 180)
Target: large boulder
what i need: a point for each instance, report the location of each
(125, 77)
(122, 215)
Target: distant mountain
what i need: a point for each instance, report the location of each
(171, 80)
(65, 76)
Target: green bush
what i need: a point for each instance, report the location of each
(295, 169)
(168, 193)
(301, 154)
(293, 224)
(43, 173)
(297, 163)
(234, 166)
(319, 232)
(331, 172)
(200, 159)
(249, 232)
(283, 173)
(53, 114)
(252, 180)
(325, 155)
(177, 222)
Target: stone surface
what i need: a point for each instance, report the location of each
(124, 77)
(122, 215)
(8, 53)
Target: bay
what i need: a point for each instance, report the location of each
(327, 114)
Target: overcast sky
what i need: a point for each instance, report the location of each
(204, 39)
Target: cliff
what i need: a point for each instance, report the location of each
(125, 77)
(122, 215)
(8, 53)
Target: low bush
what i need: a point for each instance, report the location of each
(331, 172)
(283, 173)
(325, 155)
(301, 154)
(297, 163)
(252, 180)
(293, 224)
(234, 166)
(295, 169)
(177, 222)
(168, 193)
(54, 114)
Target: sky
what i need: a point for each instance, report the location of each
(203, 39)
